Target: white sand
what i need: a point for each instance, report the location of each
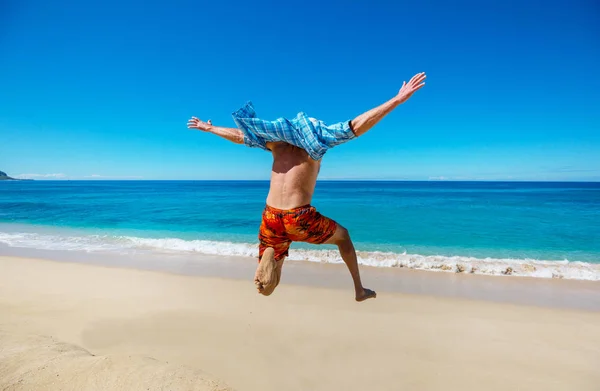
(41, 363)
(300, 338)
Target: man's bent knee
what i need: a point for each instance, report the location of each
(340, 236)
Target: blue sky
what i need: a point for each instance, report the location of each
(103, 90)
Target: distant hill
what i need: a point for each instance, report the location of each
(4, 177)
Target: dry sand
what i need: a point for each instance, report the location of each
(78, 327)
(32, 362)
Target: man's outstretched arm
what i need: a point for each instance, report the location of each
(231, 134)
(361, 124)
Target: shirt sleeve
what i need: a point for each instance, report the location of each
(251, 139)
(244, 119)
(335, 134)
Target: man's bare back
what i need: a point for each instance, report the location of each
(293, 176)
(288, 215)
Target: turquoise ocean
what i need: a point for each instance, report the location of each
(536, 229)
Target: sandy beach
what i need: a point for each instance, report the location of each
(78, 326)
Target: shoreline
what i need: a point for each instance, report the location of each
(51, 238)
(551, 293)
(301, 337)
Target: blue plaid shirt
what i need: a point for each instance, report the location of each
(312, 135)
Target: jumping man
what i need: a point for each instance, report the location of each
(297, 146)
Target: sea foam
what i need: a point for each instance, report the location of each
(455, 264)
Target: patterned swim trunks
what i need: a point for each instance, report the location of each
(279, 228)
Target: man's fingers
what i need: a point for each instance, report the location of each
(414, 84)
(418, 78)
(420, 75)
(418, 87)
(417, 82)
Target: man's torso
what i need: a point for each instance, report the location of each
(293, 177)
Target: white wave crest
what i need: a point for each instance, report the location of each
(456, 264)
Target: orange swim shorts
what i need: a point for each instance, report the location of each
(279, 228)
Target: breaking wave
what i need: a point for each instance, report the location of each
(456, 264)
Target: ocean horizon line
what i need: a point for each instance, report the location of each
(321, 180)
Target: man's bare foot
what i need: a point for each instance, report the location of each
(366, 294)
(266, 278)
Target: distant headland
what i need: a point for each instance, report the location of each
(4, 177)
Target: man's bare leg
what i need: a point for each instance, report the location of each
(268, 273)
(341, 238)
(361, 124)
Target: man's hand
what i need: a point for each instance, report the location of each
(411, 87)
(195, 123)
(232, 134)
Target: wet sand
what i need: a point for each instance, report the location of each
(553, 293)
(300, 338)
